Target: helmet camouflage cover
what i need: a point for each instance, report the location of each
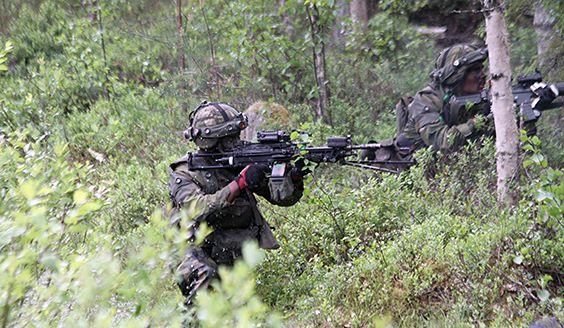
(453, 62)
(210, 122)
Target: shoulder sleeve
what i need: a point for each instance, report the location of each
(426, 114)
(185, 193)
(288, 200)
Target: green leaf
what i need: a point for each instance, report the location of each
(50, 261)
(547, 278)
(88, 207)
(29, 189)
(79, 196)
(543, 295)
(294, 135)
(518, 260)
(537, 158)
(252, 254)
(9, 46)
(543, 195)
(60, 149)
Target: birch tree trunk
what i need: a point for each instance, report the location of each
(319, 63)
(507, 134)
(543, 27)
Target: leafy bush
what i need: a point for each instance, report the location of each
(38, 33)
(61, 266)
(85, 142)
(414, 248)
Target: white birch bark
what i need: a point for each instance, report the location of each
(507, 134)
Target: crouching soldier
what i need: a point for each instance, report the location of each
(225, 199)
(432, 117)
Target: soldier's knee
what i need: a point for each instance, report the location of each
(183, 285)
(204, 275)
(195, 273)
(198, 278)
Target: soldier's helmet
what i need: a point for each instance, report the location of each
(453, 62)
(212, 122)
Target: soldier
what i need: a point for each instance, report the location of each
(432, 118)
(224, 199)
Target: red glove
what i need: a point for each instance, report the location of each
(242, 178)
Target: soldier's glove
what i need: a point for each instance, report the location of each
(299, 171)
(252, 177)
(368, 154)
(545, 93)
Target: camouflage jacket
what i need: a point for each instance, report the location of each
(433, 120)
(206, 192)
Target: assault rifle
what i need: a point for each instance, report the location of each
(275, 148)
(530, 94)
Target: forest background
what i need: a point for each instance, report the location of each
(94, 97)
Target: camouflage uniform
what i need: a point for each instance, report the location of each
(433, 118)
(233, 220)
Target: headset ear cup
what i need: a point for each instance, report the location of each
(246, 120)
(187, 133)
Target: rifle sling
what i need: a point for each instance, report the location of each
(266, 237)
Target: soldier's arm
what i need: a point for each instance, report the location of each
(292, 199)
(297, 194)
(185, 193)
(435, 132)
(259, 185)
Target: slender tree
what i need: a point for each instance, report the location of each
(507, 134)
(359, 13)
(90, 7)
(319, 65)
(544, 24)
(341, 13)
(288, 27)
(180, 46)
(215, 67)
(181, 55)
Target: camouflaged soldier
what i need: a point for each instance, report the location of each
(433, 118)
(224, 199)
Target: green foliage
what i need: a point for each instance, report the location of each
(440, 7)
(39, 33)
(233, 302)
(543, 248)
(416, 247)
(8, 47)
(86, 136)
(62, 266)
